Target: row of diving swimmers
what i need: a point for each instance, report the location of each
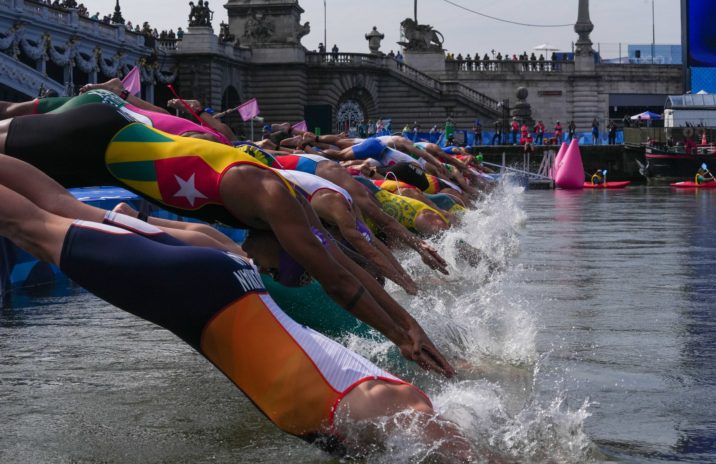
(426, 213)
(100, 143)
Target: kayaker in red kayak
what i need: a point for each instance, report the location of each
(703, 176)
(598, 177)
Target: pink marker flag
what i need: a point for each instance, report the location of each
(133, 81)
(302, 126)
(248, 110)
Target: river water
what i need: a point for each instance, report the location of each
(591, 338)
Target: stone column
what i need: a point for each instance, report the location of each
(585, 81)
(584, 53)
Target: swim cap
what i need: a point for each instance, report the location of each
(209, 110)
(478, 157)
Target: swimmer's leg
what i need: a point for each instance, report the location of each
(42, 190)
(50, 196)
(31, 228)
(12, 109)
(191, 227)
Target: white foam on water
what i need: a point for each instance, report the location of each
(490, 336)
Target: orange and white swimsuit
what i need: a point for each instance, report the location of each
(216, 302)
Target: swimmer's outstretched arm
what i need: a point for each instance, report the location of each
(334, 208)
(258, 197)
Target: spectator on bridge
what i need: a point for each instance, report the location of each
(95, 17)
(612, 130)
(514, 130)
(391, 54)
(595, 131)
(497, 138)
(539, 133)
(499, 56)
(540, 66)
(321, 48)
(558, 133)
(180, 33)
(477, 132)
(571, 130)
(334, 52)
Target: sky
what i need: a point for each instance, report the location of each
(615, 21)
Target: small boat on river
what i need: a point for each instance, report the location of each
(674, 163)
(607, 185)
(690, 184)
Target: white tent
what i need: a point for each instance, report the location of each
(546, 47)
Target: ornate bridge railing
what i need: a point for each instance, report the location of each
(37, 34)
(412, 74)
(508, 66)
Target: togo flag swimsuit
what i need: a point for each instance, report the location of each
(98, 145)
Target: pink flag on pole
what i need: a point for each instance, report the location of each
(302, 126)
(133, 81)
(248, 110)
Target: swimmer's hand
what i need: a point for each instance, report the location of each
(420, 349)
(431, 257)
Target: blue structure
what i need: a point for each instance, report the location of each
(698, 17)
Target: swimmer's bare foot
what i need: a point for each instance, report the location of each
(113, 85)
(124, 208)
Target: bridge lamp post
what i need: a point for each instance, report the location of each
(653, 33)
(325, 34)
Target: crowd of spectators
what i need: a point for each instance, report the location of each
(144, 29)
(491, 61)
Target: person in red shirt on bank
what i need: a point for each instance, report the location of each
(514, 129)
(558, 133)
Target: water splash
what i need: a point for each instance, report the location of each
(490, 335)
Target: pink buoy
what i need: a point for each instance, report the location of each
(570, 171)
(558, 159)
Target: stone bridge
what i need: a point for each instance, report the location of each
(55, 48)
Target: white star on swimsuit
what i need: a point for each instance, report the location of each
(188, 190)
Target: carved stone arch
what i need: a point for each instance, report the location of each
(355, 105)
(364, 87)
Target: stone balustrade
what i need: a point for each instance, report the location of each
(509, 66)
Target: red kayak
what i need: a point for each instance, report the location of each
(691, 184)
(607, 185)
